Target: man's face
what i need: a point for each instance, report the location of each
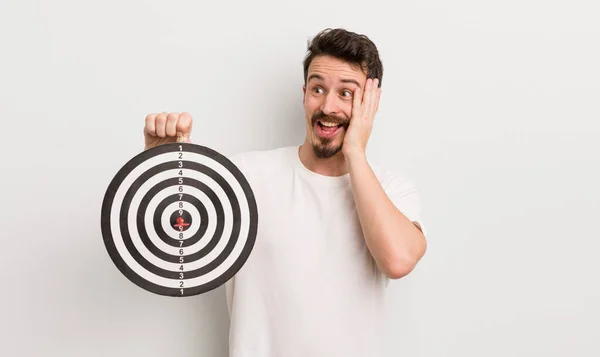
(328, 97)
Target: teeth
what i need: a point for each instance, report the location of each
(328, 124)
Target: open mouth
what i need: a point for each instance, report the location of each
(327, 129)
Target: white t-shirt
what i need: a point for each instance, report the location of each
(310, 287)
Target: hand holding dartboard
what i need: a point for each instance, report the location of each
(178, 219)
(162, 128)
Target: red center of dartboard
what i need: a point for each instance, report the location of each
(181, 223)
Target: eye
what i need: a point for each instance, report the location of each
(318, 90)
(347, 93)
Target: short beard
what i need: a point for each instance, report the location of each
(324, 149)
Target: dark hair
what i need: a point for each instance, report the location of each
(347, 46)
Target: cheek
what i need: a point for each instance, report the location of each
(347, 110)
(310, 102)
(310, 107)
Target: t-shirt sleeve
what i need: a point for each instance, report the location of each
(405, 196)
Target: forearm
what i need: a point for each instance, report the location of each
(394, 241)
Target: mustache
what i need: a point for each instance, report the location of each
(331, 118)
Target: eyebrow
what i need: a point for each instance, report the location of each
(317, 76)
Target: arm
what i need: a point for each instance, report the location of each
(395, 242)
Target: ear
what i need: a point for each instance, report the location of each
(303, 92)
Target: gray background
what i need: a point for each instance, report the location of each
(492, 108)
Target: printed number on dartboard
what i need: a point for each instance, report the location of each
(180, 182)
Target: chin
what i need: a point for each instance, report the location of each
(324, 149)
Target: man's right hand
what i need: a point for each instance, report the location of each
(162, 128)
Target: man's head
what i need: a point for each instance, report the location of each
(337, 62)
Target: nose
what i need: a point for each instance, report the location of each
(330, 104)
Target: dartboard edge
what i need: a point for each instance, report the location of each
(190, 257)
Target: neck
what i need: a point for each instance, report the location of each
(332, 166)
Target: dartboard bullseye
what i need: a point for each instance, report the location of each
(179, 219)
(181, 224)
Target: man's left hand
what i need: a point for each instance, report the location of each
(364, 108)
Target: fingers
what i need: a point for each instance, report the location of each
(171, 124)
(150, 127)
(161, 125)
(357, 102)
(167, 127)
(184, 126)
(372, 94)
(377, 100)
(368, 98)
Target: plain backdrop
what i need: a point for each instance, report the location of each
(492, 108)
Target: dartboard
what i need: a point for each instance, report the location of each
(179, 219)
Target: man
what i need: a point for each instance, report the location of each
(333, 229)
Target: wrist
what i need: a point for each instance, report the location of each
(355, 157)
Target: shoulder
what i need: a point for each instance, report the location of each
(402, 191)
(392, 180)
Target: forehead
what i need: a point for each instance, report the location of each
(334, 70)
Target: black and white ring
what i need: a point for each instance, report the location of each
(179, 219)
